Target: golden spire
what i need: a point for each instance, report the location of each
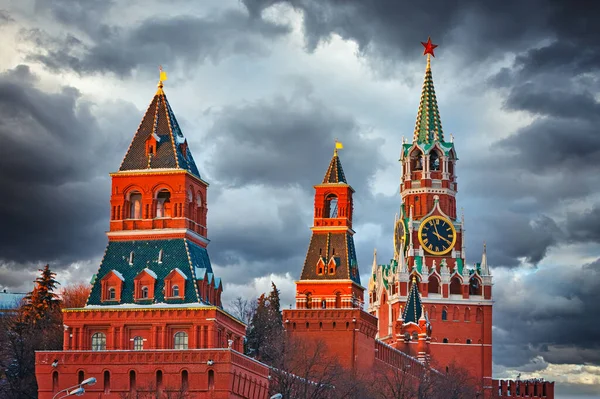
(162, 77)
(338, 146)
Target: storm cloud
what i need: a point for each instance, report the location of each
(263, 87)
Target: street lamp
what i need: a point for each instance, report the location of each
(75, 390)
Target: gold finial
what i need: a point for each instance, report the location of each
(338, 146)
(161, 79)
(414, 280)
(428, 61)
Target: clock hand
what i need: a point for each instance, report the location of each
(441, 238)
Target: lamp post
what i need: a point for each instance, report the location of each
(75, 390)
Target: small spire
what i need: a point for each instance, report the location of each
(428, 127)
(484, 265)
(335, 173)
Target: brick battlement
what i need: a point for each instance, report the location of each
(533, 389)
(222, 371)
(400, 360)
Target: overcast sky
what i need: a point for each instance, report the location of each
(261, 89)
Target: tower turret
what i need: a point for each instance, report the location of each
(330, 277)
(435, 290)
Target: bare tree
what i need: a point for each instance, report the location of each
(306, 370)
(75, 295)
(243, 309)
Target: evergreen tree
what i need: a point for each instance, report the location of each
(265, 333)
(42, 303)
(36, 325)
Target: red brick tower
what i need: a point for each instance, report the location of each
(153, 321)
(429, 250)
(329, 296)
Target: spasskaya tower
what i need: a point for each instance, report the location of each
(429, 250)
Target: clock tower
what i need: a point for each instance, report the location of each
(429, 251)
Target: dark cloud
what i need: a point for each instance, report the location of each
(514, 238)
(54, 158)
(178, 40)
(584, 226)
(283, 146)
(548, 312)
(386, 29)
(289, 141)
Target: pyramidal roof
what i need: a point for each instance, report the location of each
(413, 309)
(429, 126)
(159, 124)
(335, 173)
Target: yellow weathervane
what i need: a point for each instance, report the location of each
(338, 146)
(161, 79)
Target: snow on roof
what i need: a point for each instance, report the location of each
(119, 275)
(156, 137)
(10, 301)
(150, 272)
(200, 272)
(180, 272)
(152, 306)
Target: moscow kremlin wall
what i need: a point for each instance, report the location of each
(154, 318)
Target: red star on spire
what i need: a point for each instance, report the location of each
(428, 47)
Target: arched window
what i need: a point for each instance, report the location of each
(144, 292)
(467, 314)
(323, 304)
(432, 313)
(455, 286)
(331, 206)
(54, 381)
(444, 314)
(112, 293)
(211, 380)
(434, 285)
(474, 286)
(138, 343)
(308, 301)
(455, 315)
(163, 204)
(180, 340)
(98, 341)
(175, 291)
(184, 380)
(135, 205)
(159, 379)
(338, 300)
(80, 376)
(106, 381)
(416, 160)
(445, 340)
(468, 341)
(479, 316)
(434, 160)
(132, 381)
(415, 336)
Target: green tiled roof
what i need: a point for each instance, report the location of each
(179, 253)
(413, 309)
(428, 127)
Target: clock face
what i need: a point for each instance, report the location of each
(399, 236)
(437, 235)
